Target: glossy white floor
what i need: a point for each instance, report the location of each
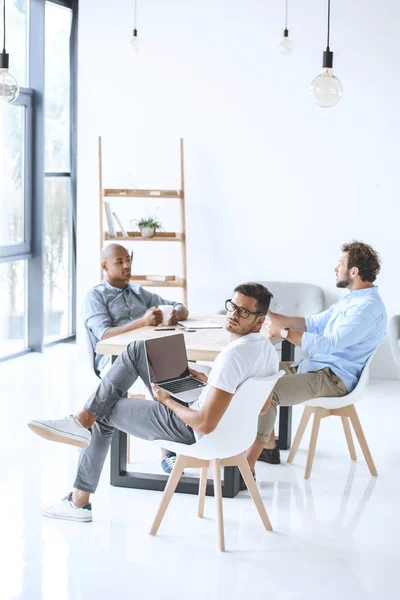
(334, 536)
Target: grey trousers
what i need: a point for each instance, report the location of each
(141, 418)
(295, 388)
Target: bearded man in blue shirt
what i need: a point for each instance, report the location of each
(338, 341)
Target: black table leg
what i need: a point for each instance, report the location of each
(284, 439)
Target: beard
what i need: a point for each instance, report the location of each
(234, 328)
(343, 283)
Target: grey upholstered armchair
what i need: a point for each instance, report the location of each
(394, 338)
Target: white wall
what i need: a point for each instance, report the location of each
(274, 184)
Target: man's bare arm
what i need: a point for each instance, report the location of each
(204, 420)
(151, 318)
(297, 323)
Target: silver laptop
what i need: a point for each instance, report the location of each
(168, 368)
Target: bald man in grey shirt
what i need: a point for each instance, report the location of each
(115, 306)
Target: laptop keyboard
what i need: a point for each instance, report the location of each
(182, 386)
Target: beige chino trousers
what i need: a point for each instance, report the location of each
(295, 388)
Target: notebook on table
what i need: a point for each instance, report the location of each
(200, 325)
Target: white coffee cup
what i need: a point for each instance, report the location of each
(167, 312)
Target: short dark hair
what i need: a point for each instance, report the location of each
(365, 258)
(257, 291)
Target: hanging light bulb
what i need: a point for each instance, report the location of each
(326, 89)
(135, 41)
(9, 88)
(286, 45)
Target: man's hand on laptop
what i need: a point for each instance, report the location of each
(160, 395)
(152, 317)
(198, 375)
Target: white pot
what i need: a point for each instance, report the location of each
(147, 232)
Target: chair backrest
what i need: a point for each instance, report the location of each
(363, 380)
(237, 429)
(353, 397)
(394, 337)
(90, 351)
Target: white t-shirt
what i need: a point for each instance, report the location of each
(252, 355)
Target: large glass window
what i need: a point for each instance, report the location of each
(57, 258)
(57, 203)
(12, 181)
(13, 322)
(37, 271)
(57, 86)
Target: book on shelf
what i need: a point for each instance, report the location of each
(110, 222)
(122, 228)
(160, 277)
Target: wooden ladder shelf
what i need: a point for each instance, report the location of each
(133, 236)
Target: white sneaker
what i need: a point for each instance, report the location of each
(68, 511)
(66, 431)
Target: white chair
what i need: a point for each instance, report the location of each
(223, 447)
(90, 352)
(394, 338)
(342, 407)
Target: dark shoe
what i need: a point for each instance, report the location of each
(271, 456)
(242, 483)
(168, 462)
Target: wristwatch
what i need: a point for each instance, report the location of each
(284, 333)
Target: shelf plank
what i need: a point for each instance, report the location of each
(136, 236)
(129, 193)
(141, 280)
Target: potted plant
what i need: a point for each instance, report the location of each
(148, 225)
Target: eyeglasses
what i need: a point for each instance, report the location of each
(242, 312)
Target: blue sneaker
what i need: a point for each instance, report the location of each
(168, 462)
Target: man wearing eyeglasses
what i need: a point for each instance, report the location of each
(249, 354)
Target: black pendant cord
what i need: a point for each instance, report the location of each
(135, 17)
(286, 14)
(4, 26)
(329, 24)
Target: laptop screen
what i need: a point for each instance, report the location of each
(166, 358)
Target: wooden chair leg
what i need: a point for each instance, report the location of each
(349, 437)
(216, 466)
(202, 491)
(168, 492)
(253, 489)
(355, 421)
(313, 442)
(308, 410)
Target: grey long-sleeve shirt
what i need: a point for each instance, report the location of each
(108, 306)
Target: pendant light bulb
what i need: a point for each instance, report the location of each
(286, 45)
(326, 89)
(9, 88)
(135, 41)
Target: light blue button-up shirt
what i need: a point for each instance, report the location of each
(344, 336)
(108, 306)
